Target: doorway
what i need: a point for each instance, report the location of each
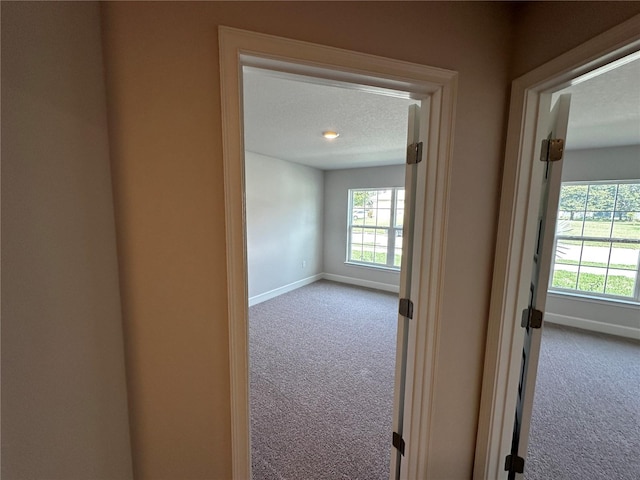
(517, 242)
(435, 88)
(586, 395)
(322, 354)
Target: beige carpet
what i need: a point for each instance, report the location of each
(322, 377)
(586, 415)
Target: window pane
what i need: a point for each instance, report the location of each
(369, 223)
(362, 205)
(570, 227)
(568, 252)
(357, 216)
(609, 212)
(361, 198)
(601, 198)
(369, 237)
(399, 217)
(356, 247)
(595, 254)
(621, 282)
(356, 254)
(573, 198)
(624, 256)
(380, 257)
(628, 197)
(397, 260)
(591, 279)
(383, 217)
(598, 225)
(369, 245)
(378, 251)
(627, 225)
(400, 207)
(357, 235)
(565, 276)
(381, 236)
(382, 208)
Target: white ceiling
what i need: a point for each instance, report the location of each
(285, 116)
(605, 110)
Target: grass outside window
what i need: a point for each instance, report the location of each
(597, 250)
(375, 222)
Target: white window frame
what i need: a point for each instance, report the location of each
(635, 297)
(391, 231)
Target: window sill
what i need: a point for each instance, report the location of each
(593, 299)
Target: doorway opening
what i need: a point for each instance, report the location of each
(517, 242)
(435, 88)
(587, 384)
(322, 215)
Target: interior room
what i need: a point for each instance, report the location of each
(591, 342)
(309, 199)
(298, 181)
(116, 320)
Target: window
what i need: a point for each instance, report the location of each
(375, 227)
(598, 240)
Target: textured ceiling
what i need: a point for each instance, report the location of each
(285, 116)
(605, 110)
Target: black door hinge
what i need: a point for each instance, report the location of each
(531, 318)
(406, 308)
(414, 153)
(398, 442)
(514, 464)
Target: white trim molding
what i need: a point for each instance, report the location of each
(514, 247)
(276, 292)
(386, 287)
(436, 88)
(593, 325)
(359, 282)
(612, 317)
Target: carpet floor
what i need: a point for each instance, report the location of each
(586, 413)
(322, 374)
(322, 362)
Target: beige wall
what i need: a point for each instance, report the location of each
(64, 403)
(165, 119)
(61, 368)
(548, 29)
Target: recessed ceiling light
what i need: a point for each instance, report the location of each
(330, 134)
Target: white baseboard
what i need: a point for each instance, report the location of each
(361, 283)
(594, 326)
(263, 297)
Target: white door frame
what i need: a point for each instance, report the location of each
(239, 48)
(516, 234)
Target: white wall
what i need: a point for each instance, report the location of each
(336, 186)
(617, 163)
(64, 399)
(284, 225)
